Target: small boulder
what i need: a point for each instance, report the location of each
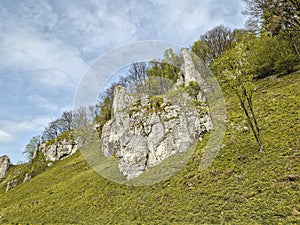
(27, 177)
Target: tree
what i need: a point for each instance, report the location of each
(201, 49)
(31, 147)
(162, 74)
(273, 15)
(280, 17)
(67, 118)
(105, 114)
(160, 77)
(270, 54)
(217, 40)
(51, 131)
(236, 73)
(136, 76)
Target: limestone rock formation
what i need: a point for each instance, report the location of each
(144, 130)
(4, 165)
(11, 184)
(191, 74)
(59, 149)
(27, 177)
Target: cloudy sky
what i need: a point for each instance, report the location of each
(47, 45)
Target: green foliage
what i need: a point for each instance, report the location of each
(168, 68)
(273, 16)
(271, 55)
(105, 115)
(237, 76)
(265, 55)
(156, 85)
(201, 49)
(31, 147)
(193, 89)
(32, 168)
(240, 187)
(156, 101)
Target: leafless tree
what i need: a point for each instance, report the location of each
(51, 131)
(217, 40)
(80, 117)
(67, 118)
(137, 75)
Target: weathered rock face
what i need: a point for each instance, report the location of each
(59, 150)
(191, 74)
(4, 165)
(146, 130)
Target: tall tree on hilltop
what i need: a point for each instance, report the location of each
(66, 120)
(217, 40)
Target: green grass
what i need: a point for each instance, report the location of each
(241, 186)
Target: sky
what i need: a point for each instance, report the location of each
(47, 45)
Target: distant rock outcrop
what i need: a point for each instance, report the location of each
(144, 130)
(59, 149)
(11, 184)
(4, 165)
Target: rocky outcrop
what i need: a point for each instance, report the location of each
(145, 130)
(27, 177)
(59, 150)
(190, 74)
(11, 184)
(4, 165)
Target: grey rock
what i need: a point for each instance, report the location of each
(191, 74)
(11, 184)
(59, 150)
(4, 165)
(142, 137)
(27, 177)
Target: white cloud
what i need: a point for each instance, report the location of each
(5, 138)
(43, 103)
(15, 127)
(49, 62)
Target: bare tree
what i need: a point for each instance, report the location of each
(67, 118)
(137, 75)
(80, 117)
(217, 40)
(51, 131)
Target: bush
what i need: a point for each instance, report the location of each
(271, 55)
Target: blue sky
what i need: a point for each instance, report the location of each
(47, 45)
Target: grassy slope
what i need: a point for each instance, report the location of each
(252, 189)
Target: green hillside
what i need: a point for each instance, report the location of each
(242, 185)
